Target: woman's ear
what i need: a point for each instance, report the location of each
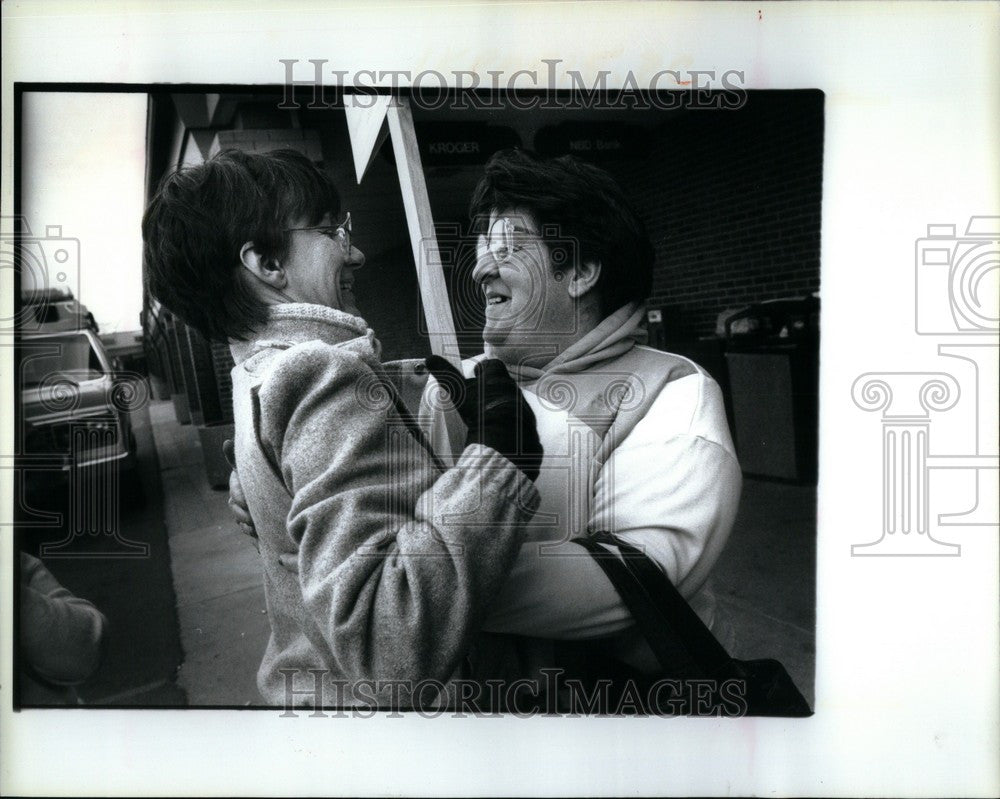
(584, 279)
(264, 269)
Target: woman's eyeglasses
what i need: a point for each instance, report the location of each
(504, 239)
(340, 232)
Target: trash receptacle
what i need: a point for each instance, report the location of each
(772, 359)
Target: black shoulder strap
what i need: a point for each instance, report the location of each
(682, 618)
(682, 643)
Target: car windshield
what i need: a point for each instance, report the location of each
(69, 356)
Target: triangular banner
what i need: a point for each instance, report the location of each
(365, 124)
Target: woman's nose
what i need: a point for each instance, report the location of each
(486, 265)
(355, 257)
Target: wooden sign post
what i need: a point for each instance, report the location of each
(366, 115)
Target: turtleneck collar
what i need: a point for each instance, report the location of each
(293, 323)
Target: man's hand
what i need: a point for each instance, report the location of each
(237, 499)
(494, 410)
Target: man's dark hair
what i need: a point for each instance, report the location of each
(200, 218)
(584, 204)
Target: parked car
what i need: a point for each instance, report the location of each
(51, 310)
(72, 412)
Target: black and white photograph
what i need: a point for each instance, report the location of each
(627, 333)
(413, 400)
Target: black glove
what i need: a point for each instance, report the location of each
(494, 410)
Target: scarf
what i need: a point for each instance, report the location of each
(612, 338)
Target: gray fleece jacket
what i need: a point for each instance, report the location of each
(399, 560)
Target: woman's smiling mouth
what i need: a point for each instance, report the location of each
(494, 297)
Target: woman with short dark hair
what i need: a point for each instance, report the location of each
(584, 212)
(398, 559)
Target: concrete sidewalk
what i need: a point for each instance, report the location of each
(217, 575)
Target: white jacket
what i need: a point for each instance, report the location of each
(638, 446)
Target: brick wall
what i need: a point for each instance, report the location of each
(732, 203)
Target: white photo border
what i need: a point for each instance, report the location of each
(907, 647)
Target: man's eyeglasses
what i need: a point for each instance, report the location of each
(504, 239)
(340, 232)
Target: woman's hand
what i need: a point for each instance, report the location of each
(494, 410)
(237, 499)
(241, 513)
